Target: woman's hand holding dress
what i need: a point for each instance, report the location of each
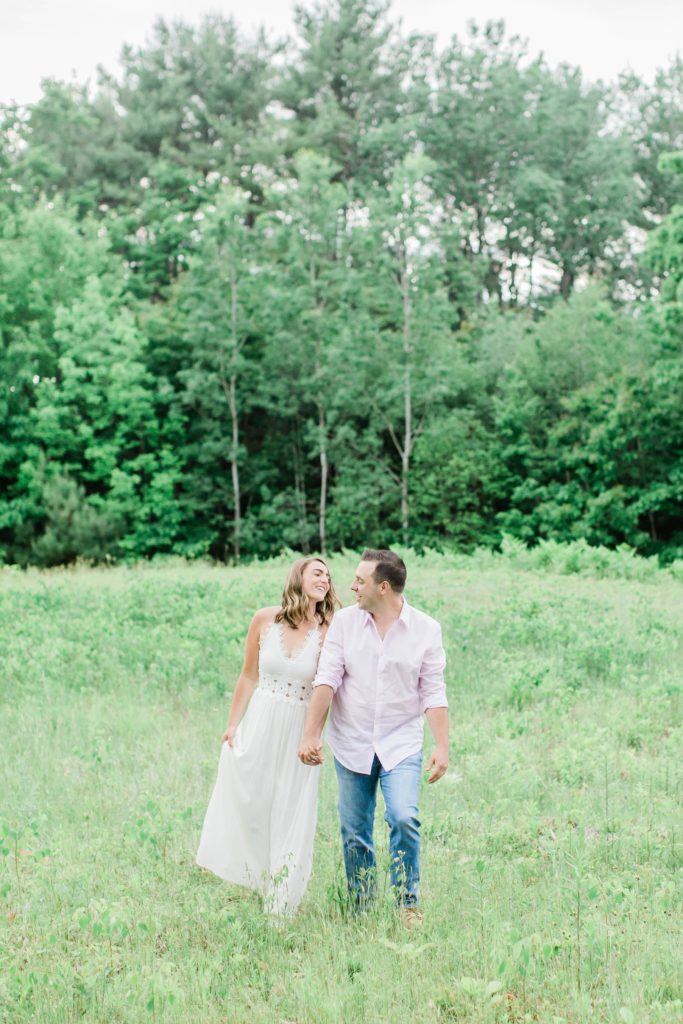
(229, 735)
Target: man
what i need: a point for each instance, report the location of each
(381, 669)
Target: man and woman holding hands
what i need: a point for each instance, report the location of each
(377, 668)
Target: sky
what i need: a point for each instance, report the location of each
(67, 39)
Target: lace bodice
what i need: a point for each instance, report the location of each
(288, 678)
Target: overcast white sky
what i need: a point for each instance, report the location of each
(69, 38)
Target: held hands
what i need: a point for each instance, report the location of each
(438, 762)
(311, 750)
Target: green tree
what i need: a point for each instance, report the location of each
(220, 300)
(413, 339)
(476, 133)
(528, 163)
(349, 85)
(94, 448)
(45, 259)
(71, 145)
(455, 475)
(193, 103)
(195, 96)
(575, 348)
(598, 194)
(617, 473)
(310, 351)
(664, 255)
(652, 115)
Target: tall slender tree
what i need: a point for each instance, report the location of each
(312, 281)
(220, 299)
(413, 334)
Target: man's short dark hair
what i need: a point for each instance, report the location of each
(389, 567)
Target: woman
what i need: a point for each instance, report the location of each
(260, 822)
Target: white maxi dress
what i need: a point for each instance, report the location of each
(260, 822)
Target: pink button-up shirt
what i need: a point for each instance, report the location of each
(381, 687)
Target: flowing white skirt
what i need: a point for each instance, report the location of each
(260, 822)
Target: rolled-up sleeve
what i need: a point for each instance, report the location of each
(331, 665)
(431, 686)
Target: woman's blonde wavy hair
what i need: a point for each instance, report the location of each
(295, 603)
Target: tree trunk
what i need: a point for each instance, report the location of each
(234, 468)
(566, 281)
(407, 407)
(300, 492)
(641, 466)
(531, 280)
(322, 423)
(513, 284)
(324, 469)
(232, 402)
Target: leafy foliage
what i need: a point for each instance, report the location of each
(338, 290)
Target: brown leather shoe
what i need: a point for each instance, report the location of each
(411, 917)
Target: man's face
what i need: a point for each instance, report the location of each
(368, 593)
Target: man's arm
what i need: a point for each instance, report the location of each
(438, 723)
(311, 748)
(434, 704)
(326, 683)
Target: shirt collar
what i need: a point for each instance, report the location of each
(404, 615)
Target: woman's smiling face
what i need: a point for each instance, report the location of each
(316, 581)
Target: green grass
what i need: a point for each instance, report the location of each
(553, 849)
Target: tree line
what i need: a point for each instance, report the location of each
(343, 288)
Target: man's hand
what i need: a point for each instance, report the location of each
(438, 762)
(438, 723)
(311, 750)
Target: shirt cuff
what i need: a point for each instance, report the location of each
(433, 702)
(325, 682)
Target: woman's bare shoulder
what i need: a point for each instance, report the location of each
(261, 622)
(264, 616)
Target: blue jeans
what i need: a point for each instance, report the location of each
(357, 799)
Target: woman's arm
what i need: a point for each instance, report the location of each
(248, 678)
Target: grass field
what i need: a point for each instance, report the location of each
(552, 853)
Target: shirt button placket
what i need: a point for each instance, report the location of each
(378, 698)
